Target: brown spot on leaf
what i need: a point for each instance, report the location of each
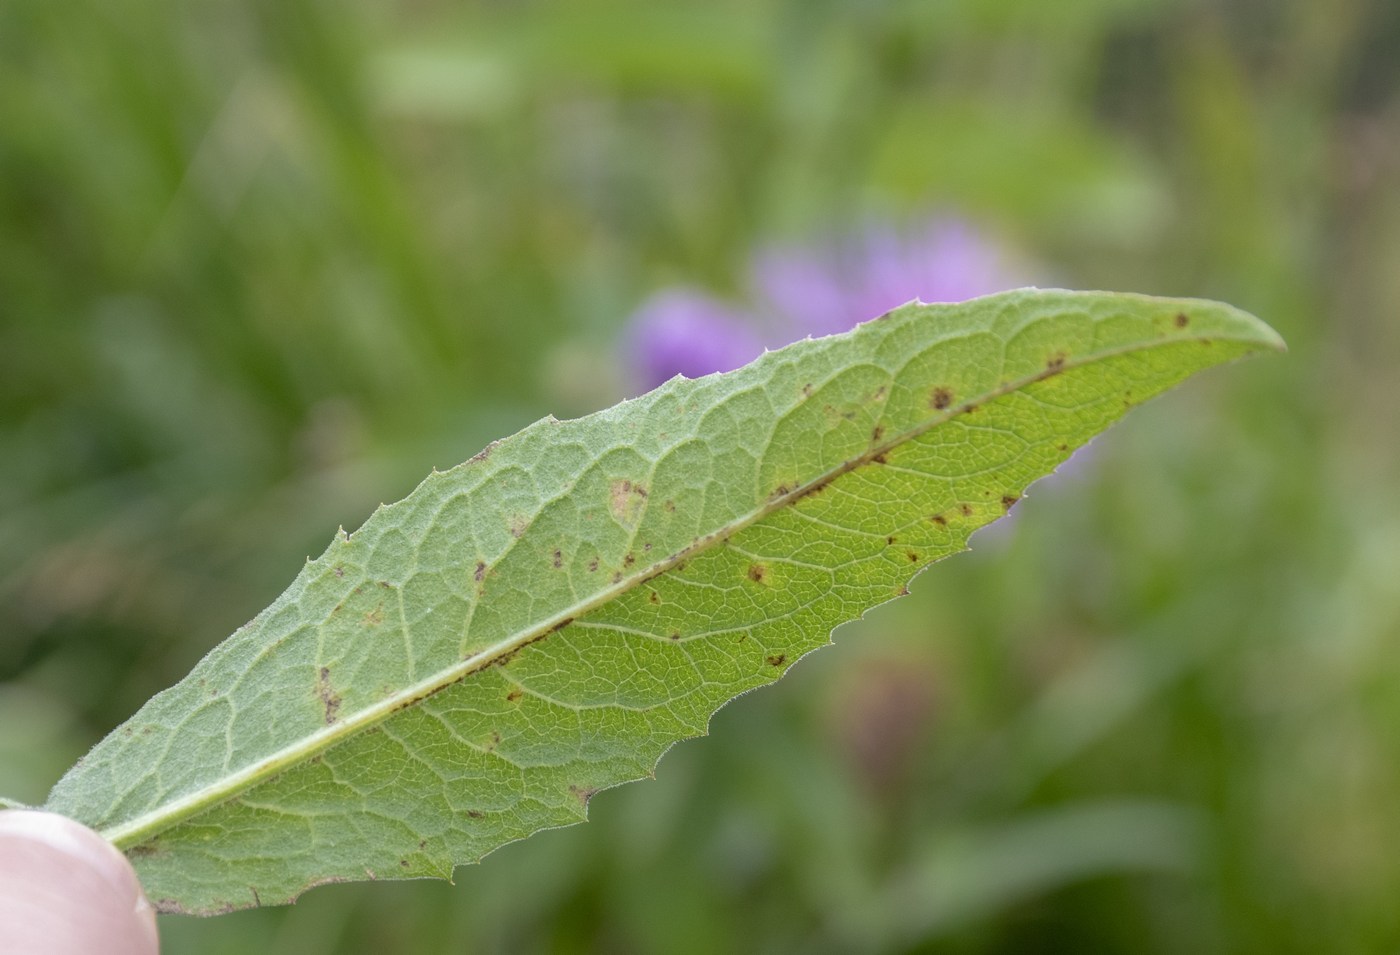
(807, 390)
(881, 458)
(330, 700)
(518, 524)
(1056, 362)
(584, 793)
(877, 433)
(1182, 320)
(473, 814)
(940, 398)
(629, 560)
(514, 695)
(480, 571)
(940, 520)
(654, 598)
(670, 507)
(625, 500)
(593, 565)
(558, 559)
(777, 660)
(340, 571)
(965, 509)
(758, 573)
(404, 863)
(912, 555)
(674, 635)
(373, 618)
(1008, 501)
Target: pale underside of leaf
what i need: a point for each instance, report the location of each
(545, 620)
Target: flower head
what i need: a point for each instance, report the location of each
(813, 290)
(829, 289)
(686, 332)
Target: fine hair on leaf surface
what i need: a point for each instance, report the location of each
(545, 620)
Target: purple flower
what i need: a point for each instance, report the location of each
(801, 291)
(686, 332)
(830, 289)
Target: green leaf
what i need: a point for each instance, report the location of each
(545, 620)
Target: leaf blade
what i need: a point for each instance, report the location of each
(545, 620)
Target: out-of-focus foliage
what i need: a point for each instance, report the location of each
(263, 263)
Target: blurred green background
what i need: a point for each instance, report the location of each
(263, 264)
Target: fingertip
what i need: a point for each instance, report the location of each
(64, 890)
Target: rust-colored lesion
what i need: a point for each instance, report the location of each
(330, 700)
(626, 499)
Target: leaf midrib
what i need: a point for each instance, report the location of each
(138, 830)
